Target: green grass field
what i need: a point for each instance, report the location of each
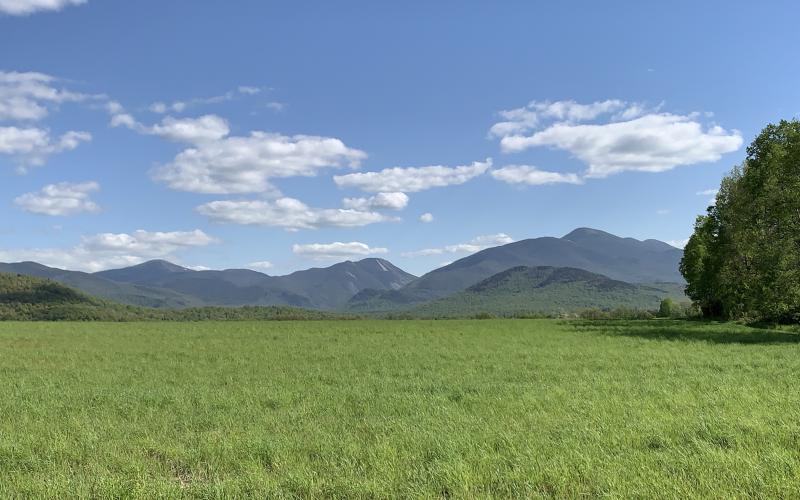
(515, 408)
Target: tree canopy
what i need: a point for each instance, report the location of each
(743, 260)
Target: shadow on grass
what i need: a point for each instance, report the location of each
(690, 331)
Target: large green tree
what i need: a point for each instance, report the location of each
(743, 260)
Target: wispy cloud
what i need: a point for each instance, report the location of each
(337, 250)
(108, 250)
(27, 7)
(287, 213)
(475, 245)
(412, 179)
(532, 176)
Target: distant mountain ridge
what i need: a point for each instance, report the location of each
(374, 284)
(623, 259)
(95, 285)
(159, 283)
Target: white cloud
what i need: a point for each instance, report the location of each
(261, 265)
(632, 139)
(521, 120)
(381, 201)
(475, 245)
(246, 164)
(337, 250)
(198, 130)
(60, 199)
(678, 243)
(191, 130)
(662, 211)
(526, 174)
(412, 179)
(26, 7)
(109, 250)
(221, 164)
(26, 96)
(426, 217)
(30, 147)
(287, 213)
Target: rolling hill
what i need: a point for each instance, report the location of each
(547, 290)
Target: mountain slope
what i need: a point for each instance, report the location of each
(28, 298)
(100, 287)
(148, 273)
(320, 288)
(624, 259)
(332, 287)
(547, 290)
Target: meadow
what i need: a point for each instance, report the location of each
(430, 409)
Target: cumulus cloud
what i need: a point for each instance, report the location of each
(426, 217)
(29, 97)
(629, 138)
(381, 201)
(526, 174)
(337, 250)
(191, 130)
(287, 213)
(26, 96)
(412, 179)
(246, 164)
(109, 250)
(521, 120)
(217, 163)
(26, 7)
(30, 147)
(198, 130)
(261, 265)
(60, 199)
(475, 245)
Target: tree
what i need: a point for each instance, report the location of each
(667, 308)
(743, 260)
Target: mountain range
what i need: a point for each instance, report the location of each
(369, 284)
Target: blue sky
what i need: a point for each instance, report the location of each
(280, 136)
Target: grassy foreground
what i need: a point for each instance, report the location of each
(398, 409)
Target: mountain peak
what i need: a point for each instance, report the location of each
(161, 264)
(145, 273)
(582, 233)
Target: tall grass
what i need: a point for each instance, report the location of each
(520, 408)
